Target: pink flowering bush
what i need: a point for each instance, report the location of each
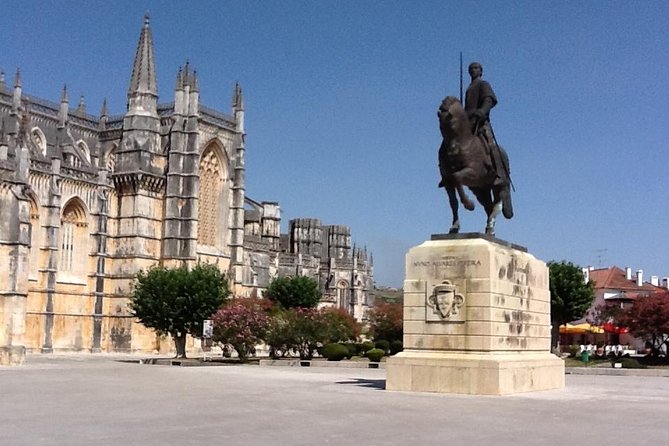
(242, 323)
(303, 330)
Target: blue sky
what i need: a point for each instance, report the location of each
(341, 101)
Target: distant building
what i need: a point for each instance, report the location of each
(87, 201)
(621, 287)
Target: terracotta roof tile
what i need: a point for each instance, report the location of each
(614, 278)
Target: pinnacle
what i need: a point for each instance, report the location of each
(180, 80)
(17, 79)
(143, 79)
(195, 85)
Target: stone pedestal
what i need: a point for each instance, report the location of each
(476, 320)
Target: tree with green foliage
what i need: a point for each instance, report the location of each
(294, 292)
(386, 321)
(648, 318)
(571, 295)
(176, 301)
(339, 325)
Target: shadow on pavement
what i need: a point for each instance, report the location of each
(378, 384)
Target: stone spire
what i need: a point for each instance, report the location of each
(194, 95)
(194, 84)
(143, 79)
(16, 100)
(81, 108)
(180, 99)
(17, 79)
(3, 87)
(64, 108)
(103, 111)
(238, 107)
(238, 98)
(180, 80)
(104, 115)
(186, 78)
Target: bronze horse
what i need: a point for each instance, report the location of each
(464, 160)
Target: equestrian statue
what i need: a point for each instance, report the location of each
(470, 156)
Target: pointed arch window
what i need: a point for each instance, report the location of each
(35, 239)
(39, 139)
(74, 237)
(213, 206)
(83, 149)
(343, 294)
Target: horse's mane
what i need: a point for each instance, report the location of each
(449, 100)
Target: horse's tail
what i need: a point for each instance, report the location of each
(505, 165)
(507, 204)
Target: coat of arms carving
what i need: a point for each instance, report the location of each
(445, 302)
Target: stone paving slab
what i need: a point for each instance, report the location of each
(97, 400)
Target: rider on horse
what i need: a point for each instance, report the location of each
(479, 100)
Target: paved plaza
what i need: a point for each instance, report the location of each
(100, 400)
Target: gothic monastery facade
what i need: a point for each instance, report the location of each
(87, 201)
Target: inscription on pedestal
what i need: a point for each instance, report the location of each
(446, 261)
(443, 305)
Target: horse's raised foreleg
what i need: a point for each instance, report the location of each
(466, 201)
(460, 178)
(484, 196)
(453, 201)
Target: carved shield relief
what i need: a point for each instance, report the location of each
(444, 304)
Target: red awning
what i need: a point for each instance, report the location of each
(609, 327)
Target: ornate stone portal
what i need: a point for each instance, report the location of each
(476, 320)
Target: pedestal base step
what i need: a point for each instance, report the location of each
(475, 374)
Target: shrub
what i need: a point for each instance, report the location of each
(574, 350)
(386, 321)
(242, 323)
(382, 345)
(366, 346)
(338, 325)
(280, 336)
(396, 346)
(352, 349)
(375, 354)
(335, 352)
(630, 363)
(307, 332)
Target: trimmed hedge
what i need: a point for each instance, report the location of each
(375, 354)
(335, 352)
(396, 346)
(366, 346)
(382, 344)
